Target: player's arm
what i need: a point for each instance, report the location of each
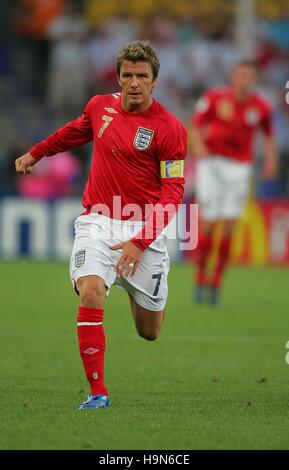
(270, 166)
(173, 153)
(167, 206)
(271, 157)
(199, 149)
(75, 133)
(202, 116)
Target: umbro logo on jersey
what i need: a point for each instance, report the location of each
(143, 138)
(110, 110)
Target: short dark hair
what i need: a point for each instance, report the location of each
(246, 63)
(138, 51)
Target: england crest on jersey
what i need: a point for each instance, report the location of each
(143, 138)
(252, 116)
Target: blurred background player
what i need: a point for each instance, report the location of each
(224, 125)
(138, 154)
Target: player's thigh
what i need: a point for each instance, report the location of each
(91, 256)
(207, 188)
(235, 191)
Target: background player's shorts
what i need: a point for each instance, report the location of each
(222, 187)
(91, 255)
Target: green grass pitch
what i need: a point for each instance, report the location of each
(216, 378)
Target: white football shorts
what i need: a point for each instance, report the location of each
(222, 187)
(91, 255)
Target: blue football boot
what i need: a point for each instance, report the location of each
(95, 401)
(214, 296)
(199, 293)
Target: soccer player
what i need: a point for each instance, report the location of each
(137, 164)
(224, 124)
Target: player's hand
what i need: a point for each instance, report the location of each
(24, 164)
(129, 260)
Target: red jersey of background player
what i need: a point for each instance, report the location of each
(128, 149)
(230, 124)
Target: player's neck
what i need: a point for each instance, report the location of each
(242, 95)
(136, 108)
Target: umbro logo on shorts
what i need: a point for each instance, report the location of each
(79, 258)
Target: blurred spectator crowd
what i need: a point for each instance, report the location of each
(55, 54)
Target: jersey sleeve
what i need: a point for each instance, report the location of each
(75, 133)
(172, 153)
(204, 109)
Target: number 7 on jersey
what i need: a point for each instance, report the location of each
(107, 120)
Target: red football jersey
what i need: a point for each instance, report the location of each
(128, 149)
(230, 124)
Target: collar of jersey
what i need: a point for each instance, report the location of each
(128, 113)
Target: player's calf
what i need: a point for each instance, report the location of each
(149, 335)
(148, 323)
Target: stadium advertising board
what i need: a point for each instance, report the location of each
(41, 229)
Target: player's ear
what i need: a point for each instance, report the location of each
(118, 80)
(154, 82)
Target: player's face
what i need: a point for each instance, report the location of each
(244, 78)
(136, 82)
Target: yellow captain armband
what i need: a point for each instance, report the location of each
(172, 169)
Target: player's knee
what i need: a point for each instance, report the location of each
(92, 296)
(88, 299)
